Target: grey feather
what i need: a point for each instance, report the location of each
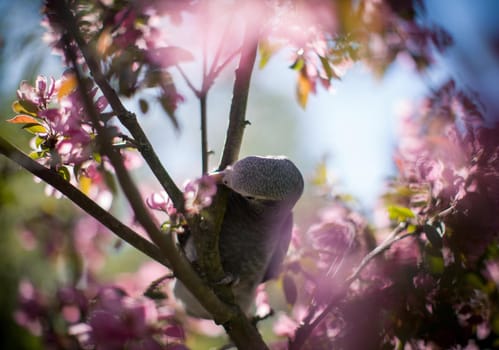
(257, 225)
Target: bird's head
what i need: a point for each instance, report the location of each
(271, 178)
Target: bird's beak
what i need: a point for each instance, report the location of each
(218, 176)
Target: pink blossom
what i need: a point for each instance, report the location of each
(198, 194)
(262, 301)
(117, 321)
(161, 201)
(41, 94)
(285, 326)
(31, 307)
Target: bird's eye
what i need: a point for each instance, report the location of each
(250, 198)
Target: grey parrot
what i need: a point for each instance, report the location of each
(257, 226)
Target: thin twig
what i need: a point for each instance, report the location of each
(224, 64)
(213, 69)
(204, 53)
(188, 81)
(154, 285)
(52, 178)
(305, 330)
(389, 240)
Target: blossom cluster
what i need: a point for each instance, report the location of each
(117, 321)
(64, 136)
(198, 195)
(327, 38)
(448, 161)
(436, 286)
(102, 317)
(128, 43)
(321, 53)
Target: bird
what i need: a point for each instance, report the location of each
(256, 229)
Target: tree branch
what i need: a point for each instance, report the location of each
(240, 93)
(204, 132)
(202, 95)
(128, 119)
(81, 200)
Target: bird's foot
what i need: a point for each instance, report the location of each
(255, 319)
(228, 280)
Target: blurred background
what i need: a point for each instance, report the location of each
(351, 131)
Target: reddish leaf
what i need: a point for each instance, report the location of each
(267, 50)
(22, 119)
(68, 85)
(303, 88)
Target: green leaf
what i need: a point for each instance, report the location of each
(97, 157)
(298, 64)
(39, 141)
(328, 69)
(474, 281)
(411, 228)
(37, 154)
(436, 264)
(439, 227)
(320, 176)
(110, 181)
(35, 128)
(433, 236)
(144, 106)
(169, 106)
(64, 173)
(18, 107)
(495, 324)
(76, 171)
(267, 50)
(399, 213)
(29, 106)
